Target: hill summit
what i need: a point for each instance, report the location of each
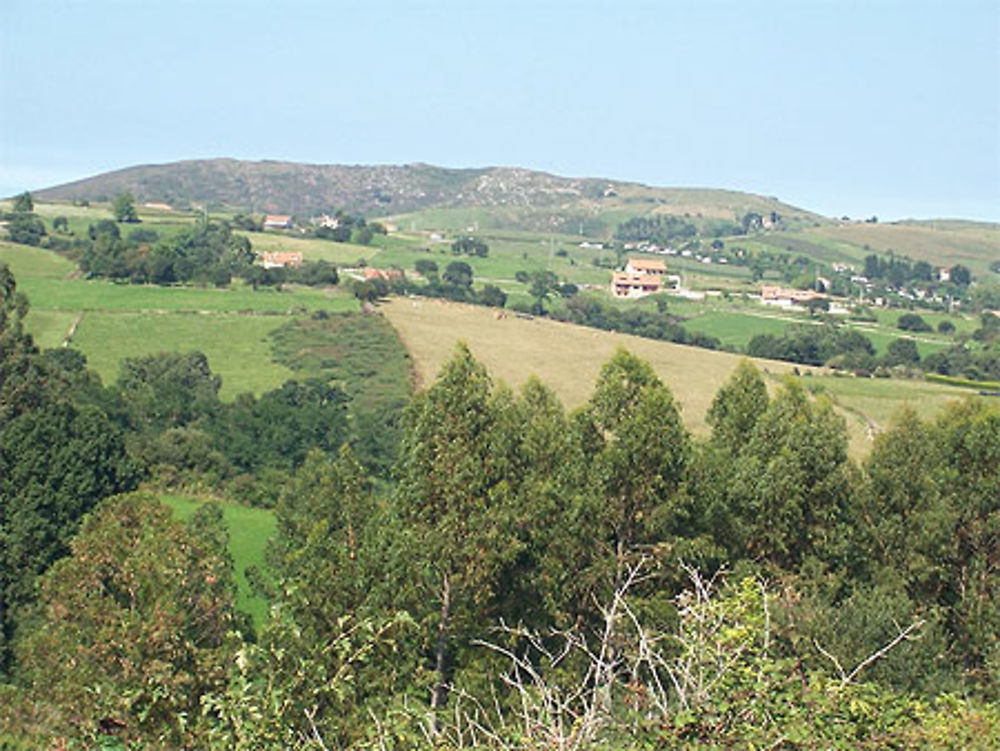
(397, 189)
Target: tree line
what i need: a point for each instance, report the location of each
(528, 578)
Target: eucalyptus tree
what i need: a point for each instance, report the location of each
(454, 502)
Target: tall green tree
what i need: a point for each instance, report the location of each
(454, 504)
(166, 390)
(638, 451)
(323, 517)
(790, 487)
(737, 407)
(969, 437)
(123, 208)
(24, 203)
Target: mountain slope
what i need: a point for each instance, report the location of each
(391, 189)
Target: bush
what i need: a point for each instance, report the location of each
(26, 229)
(912, 322)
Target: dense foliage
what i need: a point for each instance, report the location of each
(59, 455)
(208, 252)
(528, 579)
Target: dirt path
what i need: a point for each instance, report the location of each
(72, 330)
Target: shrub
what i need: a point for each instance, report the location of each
(912, 322)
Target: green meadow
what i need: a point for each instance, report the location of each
(249, 531)
(237, 346)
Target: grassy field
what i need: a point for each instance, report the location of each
(249, 530)
(312, 249)
(237, 346)
(79, 294)
(361, 353)
(946, 244)
(735, 329)
(115, 321)
(879, 399)
(568, 359)
(34, 263)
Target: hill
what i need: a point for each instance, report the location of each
(401, 189)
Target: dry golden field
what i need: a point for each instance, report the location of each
(568, 358)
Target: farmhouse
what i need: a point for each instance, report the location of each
(785, 298)
(158, 206)
(330, 222)
(277, 221)
(280, 259)
(649, 266)
(624, 284)
(386, 274)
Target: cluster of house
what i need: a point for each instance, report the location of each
(712, 255)
(641, 277)
(909, 292)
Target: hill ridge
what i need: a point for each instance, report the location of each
(384, 189)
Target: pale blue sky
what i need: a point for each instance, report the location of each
(880, 107)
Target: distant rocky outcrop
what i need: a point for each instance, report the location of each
(270, 186)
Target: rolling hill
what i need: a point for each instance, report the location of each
(527, 195)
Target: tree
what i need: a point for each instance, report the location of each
(57, 458)
(492, 296)
(454, 506)
(737, 407)
(60, 224)
(638, 449)
(26, 229)
(789, 487)
(751, 222)
(458, 274)
(968, 435)
(986, 295)
(24, 204)
(123, 208)
(470, 246)
(371, 290)
(426, 268)
(297, 417)
(543, 284)
(167, 390)
(960, 275)
(902, 352)
(913, 322)
(902, 517)
(132, 629)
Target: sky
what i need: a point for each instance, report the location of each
(883, 107)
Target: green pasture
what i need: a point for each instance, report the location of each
(733, 329)
(882, 338)
(99, 294)
(49, 327)
(249, 530)
(938, 243)
(311, 248)
(880, 399)
(237, 346)
(34, 263)
(889, 317)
